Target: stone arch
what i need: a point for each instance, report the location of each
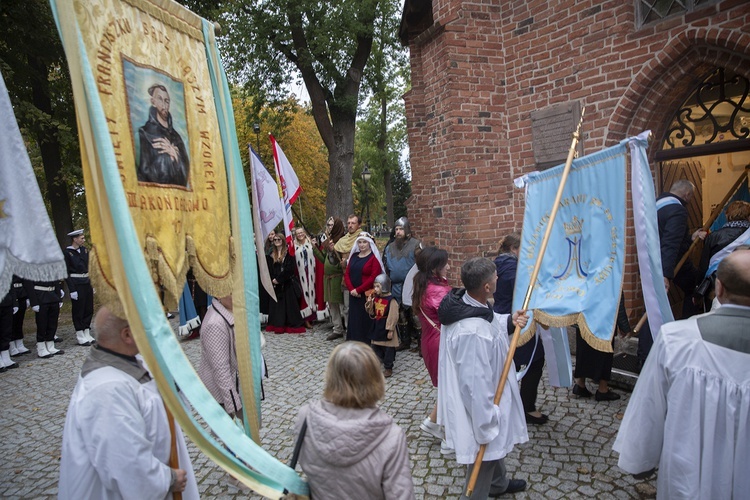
(664, 83)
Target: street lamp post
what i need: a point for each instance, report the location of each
(366, 175)
(256, 129)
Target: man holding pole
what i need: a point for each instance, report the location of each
(473, 348)
(118, 441)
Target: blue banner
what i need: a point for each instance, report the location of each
(580, 278)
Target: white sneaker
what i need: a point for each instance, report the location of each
(432, 428)
(447, 451)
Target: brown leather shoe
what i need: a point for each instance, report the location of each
(388, 373)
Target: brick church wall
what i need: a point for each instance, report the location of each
(484, 66)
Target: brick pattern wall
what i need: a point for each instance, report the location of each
(486, 66)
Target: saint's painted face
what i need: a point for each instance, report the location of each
(160, 100)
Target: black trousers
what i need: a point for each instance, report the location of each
(387, 355)
(46, 322)
(83, 308)
(6, 327)
(530, 385)
(18, 321)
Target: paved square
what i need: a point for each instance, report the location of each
(570, 457)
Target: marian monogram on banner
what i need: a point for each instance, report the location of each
(151, 74)
(573, 237)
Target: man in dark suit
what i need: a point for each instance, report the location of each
(688, 413)
(675, 240)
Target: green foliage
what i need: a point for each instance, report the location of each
(35, 71)
(401, 192)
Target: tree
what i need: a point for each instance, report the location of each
(328, 44)
(33, 64)
(387, 78)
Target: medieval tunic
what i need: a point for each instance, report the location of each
(690, 415)
(384, 314)
(360, 276)
(116, 440)
(77, 261)
(398, 262)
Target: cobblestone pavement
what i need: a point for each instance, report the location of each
(570, 457)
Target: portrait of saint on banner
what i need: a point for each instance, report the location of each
(158, 124)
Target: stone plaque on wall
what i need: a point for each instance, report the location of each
(552, 132)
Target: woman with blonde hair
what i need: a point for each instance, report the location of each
(349, 447)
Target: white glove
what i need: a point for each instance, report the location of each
(62, 293)
(35, 309)
(15, 310)
(28, 303)
(60, 305)
(74, 295)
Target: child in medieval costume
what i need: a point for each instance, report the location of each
(383, 309)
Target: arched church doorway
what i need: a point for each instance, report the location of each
(708, 143)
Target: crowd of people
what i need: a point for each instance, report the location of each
(695, 373)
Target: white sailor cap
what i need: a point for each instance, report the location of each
(77, 232)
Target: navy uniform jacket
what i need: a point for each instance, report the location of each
(43, 292)
(9, 300)
(78, 267)
(674, 235)
(19, 292)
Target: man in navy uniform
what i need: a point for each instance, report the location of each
(79, 286)
(19, 292)
(46, 301)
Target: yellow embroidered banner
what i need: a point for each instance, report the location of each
(152, 77)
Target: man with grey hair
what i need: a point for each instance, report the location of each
(674, 240)
(473, 348)
(117, 440)
(688, 414)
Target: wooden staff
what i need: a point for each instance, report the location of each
(174, 460)
(714, 215)
(527, 298)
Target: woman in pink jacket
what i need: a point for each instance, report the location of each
(430, 286)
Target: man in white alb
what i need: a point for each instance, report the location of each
(690, 411)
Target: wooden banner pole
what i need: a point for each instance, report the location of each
(527, 298)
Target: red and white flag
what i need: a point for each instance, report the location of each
(289, 187)
(267, 213)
